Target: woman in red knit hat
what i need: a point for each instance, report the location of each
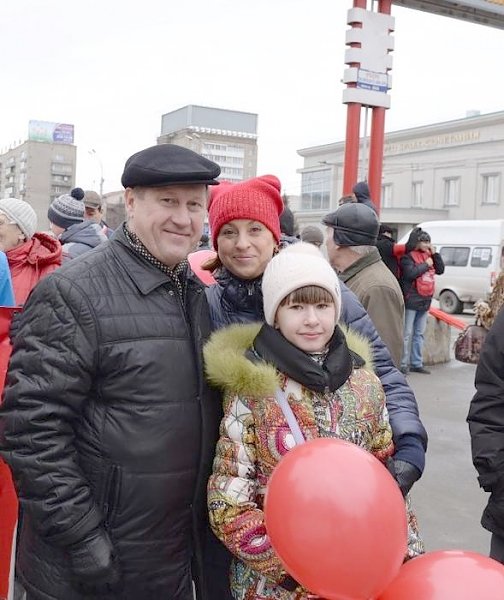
(245, 231)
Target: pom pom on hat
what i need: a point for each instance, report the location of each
(257, 199)
(20, 212)
(298, 265)
(77, 193)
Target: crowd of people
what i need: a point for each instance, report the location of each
(144, 412)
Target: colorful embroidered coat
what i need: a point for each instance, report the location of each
(254, 436)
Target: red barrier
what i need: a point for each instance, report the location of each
(8, 499)
(446, 318)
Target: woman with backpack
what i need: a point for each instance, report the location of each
(419, 266)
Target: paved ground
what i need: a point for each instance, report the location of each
(448, 499)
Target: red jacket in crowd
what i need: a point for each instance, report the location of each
(31, 261)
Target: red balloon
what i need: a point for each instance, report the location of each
(448, 575)
(196, 259)
(337, 519)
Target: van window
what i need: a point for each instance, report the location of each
(481, 257)
(455, 256)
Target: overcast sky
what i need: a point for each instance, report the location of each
(112, 68)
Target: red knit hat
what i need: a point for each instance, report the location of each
(258, 199)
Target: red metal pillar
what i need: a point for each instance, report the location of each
(377, 137)
(352, 140)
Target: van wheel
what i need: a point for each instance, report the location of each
(449, 303)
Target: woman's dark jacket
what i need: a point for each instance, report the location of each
(410, 270)
(107, 423)
(486, 425)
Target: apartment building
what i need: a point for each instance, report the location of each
(228, 137)
(39, 170)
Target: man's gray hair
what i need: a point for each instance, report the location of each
(362, 250)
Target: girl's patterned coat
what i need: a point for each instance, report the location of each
(254, 436)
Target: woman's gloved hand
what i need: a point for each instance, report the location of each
(404, 473)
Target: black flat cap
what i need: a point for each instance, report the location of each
(353, 224)
(168, 164)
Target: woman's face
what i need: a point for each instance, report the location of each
(10, 234)
(245, 247)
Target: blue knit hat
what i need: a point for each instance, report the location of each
(66, 211)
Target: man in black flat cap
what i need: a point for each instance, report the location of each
(107, 423)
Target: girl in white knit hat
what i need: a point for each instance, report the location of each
(299, 365)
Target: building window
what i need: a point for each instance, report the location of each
(491, 186)
(452, 191)
(417, 194)
(386, 193)
(315, 190)
(481, 257)
(455, 256)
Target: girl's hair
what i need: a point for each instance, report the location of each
(309, 294)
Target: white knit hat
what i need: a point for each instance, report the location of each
(21, 213)
(297, 266)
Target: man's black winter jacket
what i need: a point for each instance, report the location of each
(107, 423)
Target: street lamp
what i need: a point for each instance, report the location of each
(93, 152)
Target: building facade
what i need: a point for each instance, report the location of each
(38, 172)
(450, 170)
(227, 137)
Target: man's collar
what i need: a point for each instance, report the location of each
(361, 263)
(144, 274)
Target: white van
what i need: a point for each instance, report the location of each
(472, 252)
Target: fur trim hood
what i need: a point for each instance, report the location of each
(228, 368)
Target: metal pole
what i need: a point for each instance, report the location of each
(352, 139)
(377, 136)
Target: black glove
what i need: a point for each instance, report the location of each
(94, 566)
(404, 473)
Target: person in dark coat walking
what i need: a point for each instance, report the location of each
(486, 426)
(419, 266)
(386, 247)
(107, 423)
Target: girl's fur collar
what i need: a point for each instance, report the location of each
(228, 368)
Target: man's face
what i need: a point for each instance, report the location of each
(93, 213)
(168, 220)
(332, 248)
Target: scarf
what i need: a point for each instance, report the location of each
(271, 346)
